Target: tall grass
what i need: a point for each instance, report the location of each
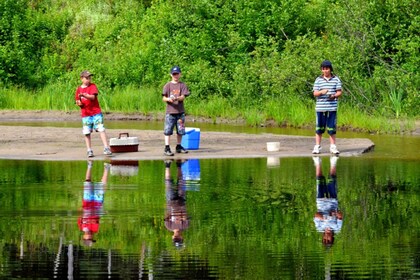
(132, 99)
(396, 100)
(215, 107)
(352, 118)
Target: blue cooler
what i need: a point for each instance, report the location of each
(191, 170)
(191, 139)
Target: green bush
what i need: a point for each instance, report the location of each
(249, 53)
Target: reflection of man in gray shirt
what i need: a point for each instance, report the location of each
(176, 216)
(328, 218)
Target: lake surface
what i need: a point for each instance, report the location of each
(215, 218)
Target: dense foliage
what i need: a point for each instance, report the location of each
(251, 53)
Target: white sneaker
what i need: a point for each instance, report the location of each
(333, 161)
(333, 150)
(317, 160)
(107, 151)
(317, 149)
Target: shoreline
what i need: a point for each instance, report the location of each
(67, 144)
(43, 115)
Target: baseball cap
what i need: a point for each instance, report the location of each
(327, 63)
(175, 69)
(86, 74)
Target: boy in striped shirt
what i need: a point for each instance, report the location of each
(326, 89)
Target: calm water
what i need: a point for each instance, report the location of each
(220, 219)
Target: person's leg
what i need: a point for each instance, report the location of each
(87, 130)
(178, 139)
(332, 178)
(167, 140)
(332, 129)
(318, 138)
(318, 169)
(180, 131)
(88, 142)
(332, 139)
(98, 125)
(320, 129)
(168, 131)
(321, 184)
(88, 176)
(104, 139)
(104, 179)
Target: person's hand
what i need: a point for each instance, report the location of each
(173, 99)
(323, 91)
(79, 103)
(319, 215)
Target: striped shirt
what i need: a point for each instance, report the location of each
(323, 102)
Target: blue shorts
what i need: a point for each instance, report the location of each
(172, 120)
(95, 122)
(326, 189)
(328, 120)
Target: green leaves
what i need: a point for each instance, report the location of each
(248, 51)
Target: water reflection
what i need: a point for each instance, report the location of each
(92, 204)
(176, 216)
(191, 174)
(248, 221)
(328, 218)
(124, 167)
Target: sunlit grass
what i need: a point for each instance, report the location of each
(354, 119)
(213, 108)
(135, 100)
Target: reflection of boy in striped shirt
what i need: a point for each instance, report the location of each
(328, 218)
(326, 89)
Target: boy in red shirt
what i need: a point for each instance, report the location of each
(87, 99)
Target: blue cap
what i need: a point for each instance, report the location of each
(175, 69)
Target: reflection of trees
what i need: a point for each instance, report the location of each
(252, 223)
(75, 262)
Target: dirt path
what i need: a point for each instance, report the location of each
(52, 143)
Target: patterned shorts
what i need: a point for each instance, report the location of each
(95, 122)
(172, 121)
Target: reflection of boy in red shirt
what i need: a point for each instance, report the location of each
(93, 198)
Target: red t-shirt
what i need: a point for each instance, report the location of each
(90, 223)
(90, 107)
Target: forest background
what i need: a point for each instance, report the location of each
(242, 59)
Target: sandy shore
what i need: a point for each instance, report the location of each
(54, 143)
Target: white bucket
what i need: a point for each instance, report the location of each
(273, 146)
(273, 161)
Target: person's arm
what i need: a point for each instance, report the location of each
(317, 89)
(320, 92)
(89, 96)
(184, 92)
(166, 95)
(168, 99)
(338, 90)
(78, 99)
(336, 94)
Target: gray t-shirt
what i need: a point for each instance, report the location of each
(175, 89)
